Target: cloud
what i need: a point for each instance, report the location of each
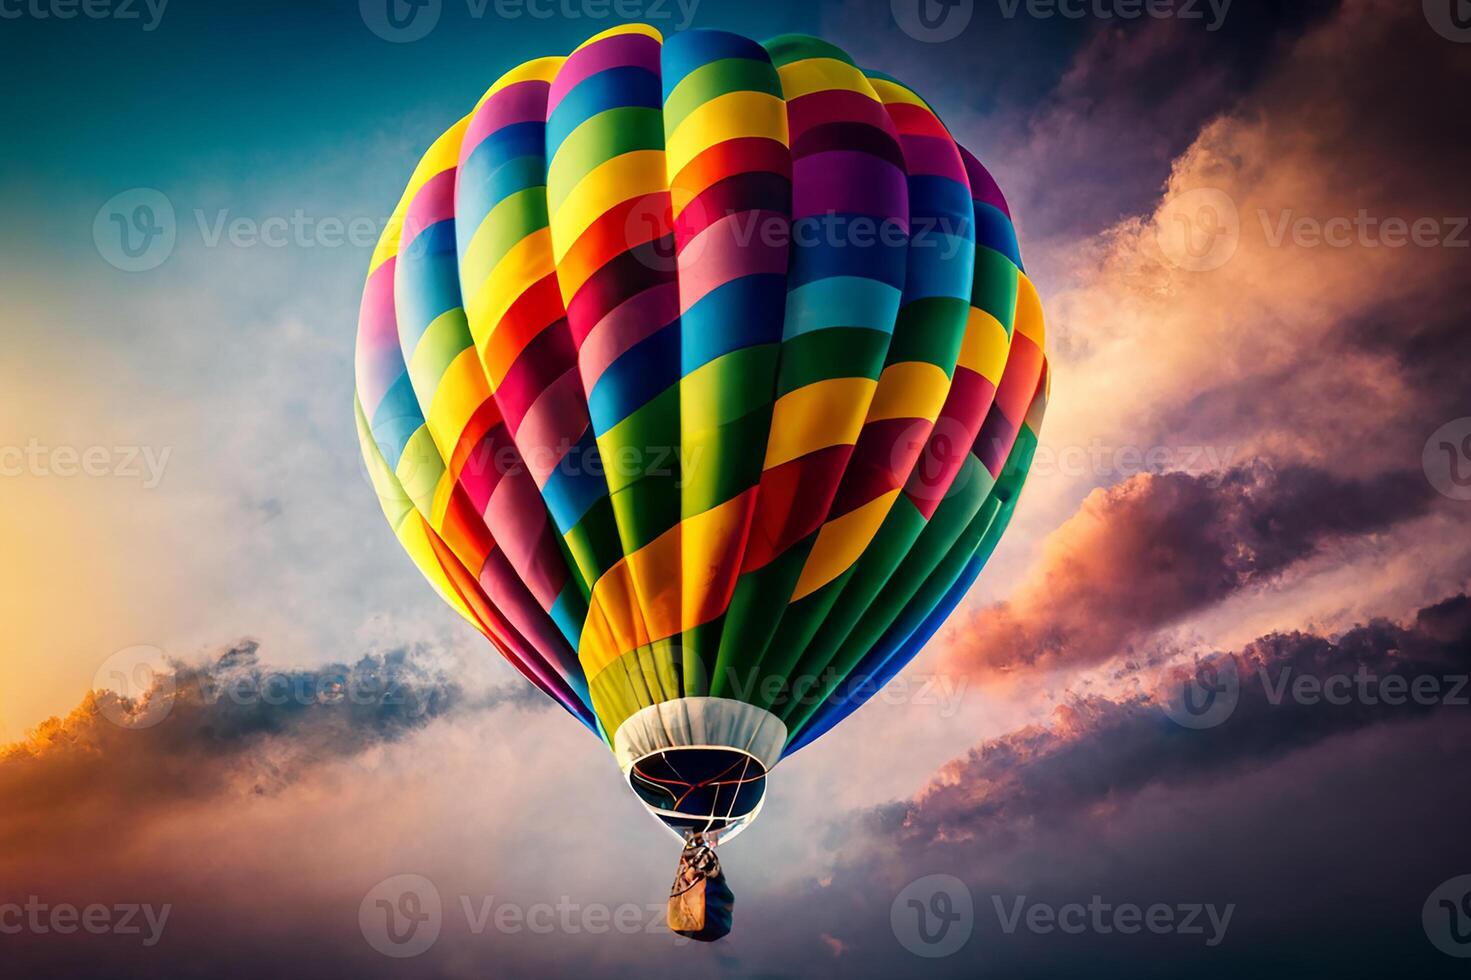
(1148, 552)
(229, 728)
(1292, 813)
(1099, 747)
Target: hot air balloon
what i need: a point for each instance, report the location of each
(701, 376)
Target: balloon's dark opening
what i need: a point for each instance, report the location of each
(700, 789)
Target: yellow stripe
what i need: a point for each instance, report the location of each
(536, 70)
(408, 526)
(643, 29)
(614, 624)
(824, 413)
(840, 542)
(985, 346)
(910, 390)
(425, 353)
(801, 78)
(460, 394)
(419, 469)
(727, 117)
(656, 584)
(529, 261)
(707, 539)
(607, 185)
(891, 93)
(1029, 322)
(391, 497)
(479, 260)
(414, 537)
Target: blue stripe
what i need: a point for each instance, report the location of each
(995, 231)
(842, 301)
(742, 313)
(575, 484)
(630, 382)
(426, 283)
(615, 88)
(689, 50)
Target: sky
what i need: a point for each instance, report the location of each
(1244, 228)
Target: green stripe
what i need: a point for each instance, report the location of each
(601, 138)
(645, 510)
(788, 48)
(717, 78)
(837, 352)
(930, 330)
(755, 610)
(721, 463)
(995, 286)
(931, 567)
(510, 221)
(593, 542)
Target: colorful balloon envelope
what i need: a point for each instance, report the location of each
(701, 376)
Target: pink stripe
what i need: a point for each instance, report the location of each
(553, 424)
(725, 251)
(520, 103)
(434, 203)
(622, 50)
(379, 361)
(504, 588)
(983, 186)
(835, 105)
(482, 470)
(849, 182)
(637, 318)
(934, 156)
(518, 519)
